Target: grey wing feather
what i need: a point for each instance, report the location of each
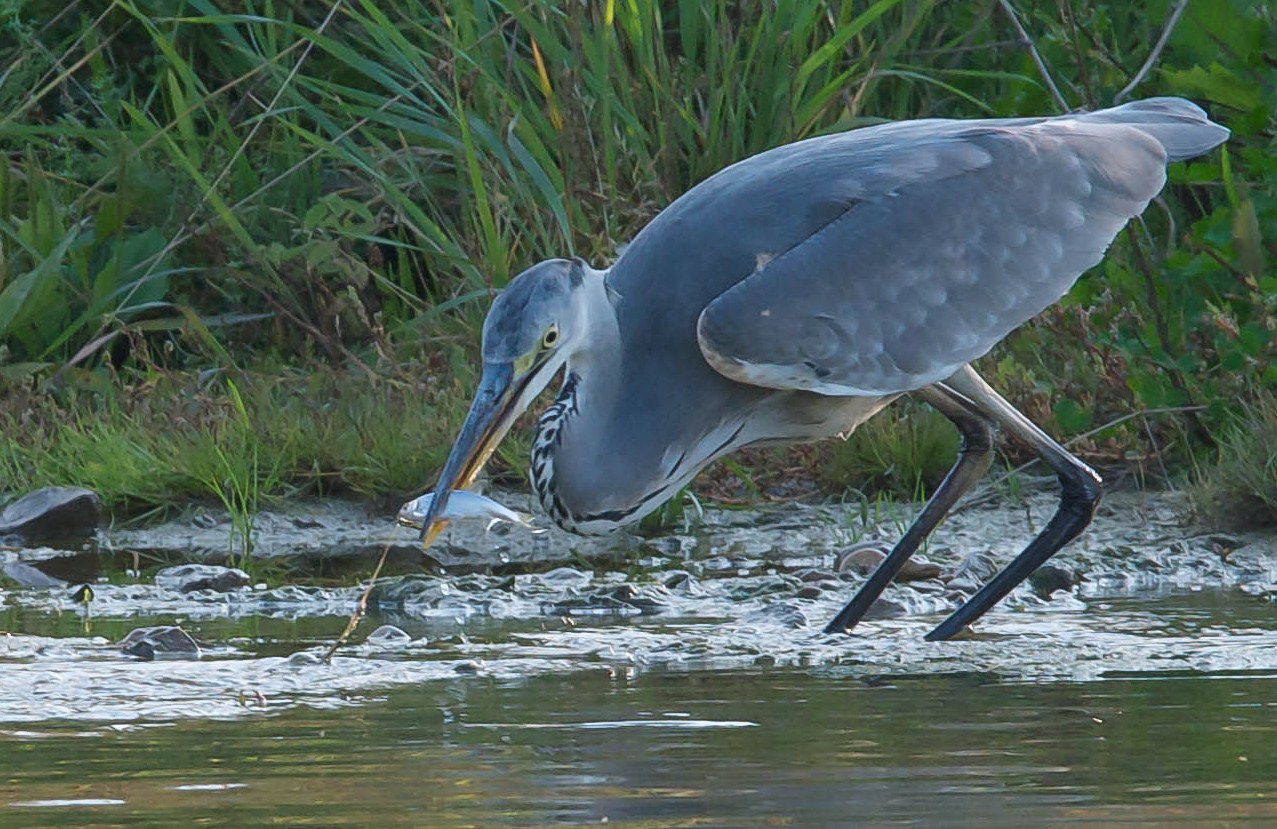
(945, 245)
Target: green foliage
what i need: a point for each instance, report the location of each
(241, 442)
(231, 469)
(1240, 488)
(904, 452)
(180, 182)
(64, 273)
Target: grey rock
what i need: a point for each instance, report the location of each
(974, 571)
(53, 513)
(677, 578)
(787, 615)
(187, 578)
(388, 635)
(863, 558)
(566, 577)
(164, 640)
(396, 592)
(27, 576)
(621, 600)
(303, 658)
(1052, 577)
(290, 594)
(885, 608)
(776, 583)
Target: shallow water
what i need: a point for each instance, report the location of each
(689, 685)
(828, 745)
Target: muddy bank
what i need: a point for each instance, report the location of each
(742, 588)
(1138, 541)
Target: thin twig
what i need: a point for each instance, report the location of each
(360, 608)
(1176, 11)
(1157, 453)
(1027, 43)
(959, 50)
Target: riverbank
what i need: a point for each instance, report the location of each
(734, 589)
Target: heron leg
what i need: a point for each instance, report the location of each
(1080, 491)
(973, 461)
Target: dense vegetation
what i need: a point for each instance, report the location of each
(245, 248)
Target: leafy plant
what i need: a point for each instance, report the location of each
(194, 187)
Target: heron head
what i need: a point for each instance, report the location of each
(531, 329)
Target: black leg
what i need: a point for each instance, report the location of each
(973, 461)
(1080, 494)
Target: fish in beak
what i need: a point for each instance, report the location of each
(498, 401)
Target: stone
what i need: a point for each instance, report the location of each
(187, 578)
(1255, 559)
(24, 575)
(398, 591)
(164, 640)
(974, 571)
(917, 569)
(388, 635)
(864, 558)
(621, 600)
(783, 613)
(812, 574)
(1052, 577)
(53, 514)
(884, 608)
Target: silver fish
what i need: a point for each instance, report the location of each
(463, 505)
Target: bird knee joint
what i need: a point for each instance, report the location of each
(979, 437)
(1083, 487)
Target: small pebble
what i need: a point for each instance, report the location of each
(864, 558)
(163, 640)
(1052, 577)
(388, 635)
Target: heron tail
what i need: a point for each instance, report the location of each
(1180, 126)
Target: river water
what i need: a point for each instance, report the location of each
(689, 687)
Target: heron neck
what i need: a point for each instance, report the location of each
(570, 439)
(597, 361)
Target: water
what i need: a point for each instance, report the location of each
(688, 683)
(1132, 711)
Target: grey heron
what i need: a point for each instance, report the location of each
(796, 293)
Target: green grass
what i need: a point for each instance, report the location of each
(904, 452)
(184, 189)
(239, 442)
(1240, 488)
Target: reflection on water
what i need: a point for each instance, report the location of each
(1131, 711)
(732, 748)
(686, 683)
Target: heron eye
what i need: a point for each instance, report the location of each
(550, 337)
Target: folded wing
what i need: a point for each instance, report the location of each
(943, 246)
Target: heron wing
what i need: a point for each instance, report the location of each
(930, 251)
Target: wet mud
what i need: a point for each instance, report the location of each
(1142, 591)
